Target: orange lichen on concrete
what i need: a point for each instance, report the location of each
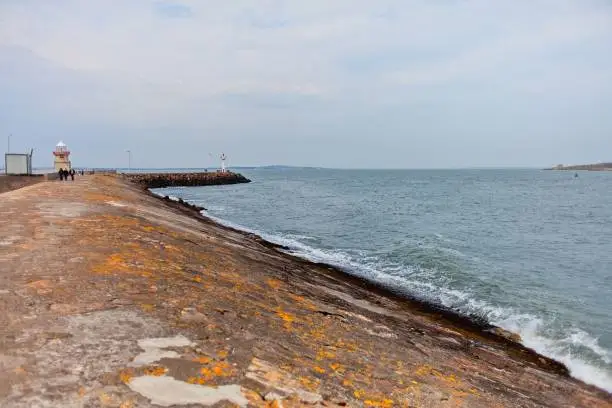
(303, 302)
(211, 370)
(97, 197)
(127, 404)
(147, 307)
(156, 371)
(274, 283)
(115, 263)
(382, 403)
(311, 384)
(206, 374)
(287, 318)
(429, 370)
(273, 404)
(126, 375)
(350, 346)
(222, 369)
(347, 383)
(202, 359)
(319, 370)
(324, 354)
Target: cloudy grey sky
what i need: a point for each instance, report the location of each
(343, 83)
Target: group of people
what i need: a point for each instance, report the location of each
(63, 174)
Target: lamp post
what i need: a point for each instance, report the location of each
(129, 152)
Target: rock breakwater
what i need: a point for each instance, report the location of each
(161, 180)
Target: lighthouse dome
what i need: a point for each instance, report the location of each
(60, 144)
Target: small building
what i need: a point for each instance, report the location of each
(18, 164)
(62, 157)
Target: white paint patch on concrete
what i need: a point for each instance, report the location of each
(90, 345)
(56, 209)
(153, 349)
(167, 391)
(165, 342)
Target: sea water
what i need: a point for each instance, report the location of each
(530, 250)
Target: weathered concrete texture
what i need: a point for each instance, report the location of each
(160, 180)
(111, 297)
(8, 183)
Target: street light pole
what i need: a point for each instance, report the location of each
(129, 152)
(9, 143)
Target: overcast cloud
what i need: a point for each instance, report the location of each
(343, 83)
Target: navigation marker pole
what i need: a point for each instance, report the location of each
(223, 158)
(129, 152)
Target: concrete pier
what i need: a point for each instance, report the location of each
(112, 297)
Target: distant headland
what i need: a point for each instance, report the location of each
(589, 167)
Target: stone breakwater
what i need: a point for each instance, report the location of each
(112, 297)
(161, 180)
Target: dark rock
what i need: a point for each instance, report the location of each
(160, 180)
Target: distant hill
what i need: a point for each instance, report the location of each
(274, 167)
(589, 167)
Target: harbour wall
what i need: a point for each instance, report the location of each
(11, 182)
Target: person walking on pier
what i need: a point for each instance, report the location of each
(61, 174)
(72, 174)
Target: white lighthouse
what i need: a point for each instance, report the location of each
(223, 158)
(61, 157)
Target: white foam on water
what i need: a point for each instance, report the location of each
(297, 237)
(530, 327)
(417, 282)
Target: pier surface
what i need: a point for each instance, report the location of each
(111, 297)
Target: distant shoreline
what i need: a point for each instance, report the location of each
(587, 167)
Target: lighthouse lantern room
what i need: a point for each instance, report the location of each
(62, 157)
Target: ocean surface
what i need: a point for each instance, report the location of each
(530, 250)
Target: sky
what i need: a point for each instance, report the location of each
(343, 83)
